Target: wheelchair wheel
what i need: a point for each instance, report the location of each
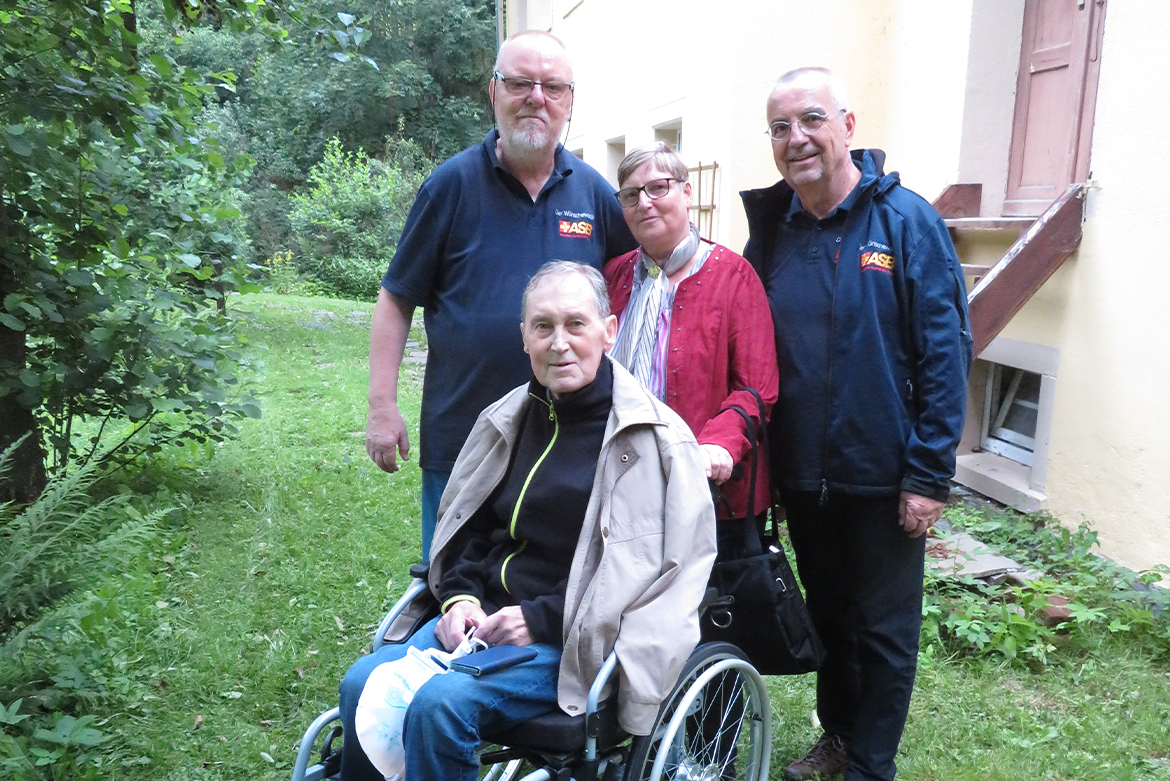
(502, 771)
(716, 724)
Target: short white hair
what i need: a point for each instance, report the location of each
(555, 269)
(836, 82)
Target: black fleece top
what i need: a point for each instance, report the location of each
(518, 547)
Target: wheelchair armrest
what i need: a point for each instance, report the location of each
(592, 728)
(416, 592)
(419, 571)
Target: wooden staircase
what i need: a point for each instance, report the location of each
(1044, 243)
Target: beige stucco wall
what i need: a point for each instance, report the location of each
(1106, 310)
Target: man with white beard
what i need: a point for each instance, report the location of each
(482, 224)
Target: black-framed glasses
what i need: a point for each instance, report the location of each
(809, 123)
(519, 88)
(654, 190)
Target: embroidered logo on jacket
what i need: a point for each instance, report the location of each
(877, 260)
(876, 256)
(580, 229)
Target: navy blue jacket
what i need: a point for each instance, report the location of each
(872, 336)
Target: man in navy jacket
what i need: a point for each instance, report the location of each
(870, 313)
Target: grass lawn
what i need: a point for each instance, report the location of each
(286, 545)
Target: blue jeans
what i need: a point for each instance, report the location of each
(434, 482)
(449, 712)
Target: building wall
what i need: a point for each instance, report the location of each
(1105, 310)
(934, 85)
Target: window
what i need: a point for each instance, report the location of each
(1004, 452)
(615, 150)
(671, 133)
(1011, 409)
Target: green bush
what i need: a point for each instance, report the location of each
(62, 657)
(347, 225)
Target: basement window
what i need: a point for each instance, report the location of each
(1011, 409)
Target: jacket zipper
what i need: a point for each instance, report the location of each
(829, 388)
(552, 415)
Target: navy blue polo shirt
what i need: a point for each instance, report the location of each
(473, 239)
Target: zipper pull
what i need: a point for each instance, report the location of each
(551, 415)
(824, 492)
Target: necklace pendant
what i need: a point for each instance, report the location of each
(653, 271)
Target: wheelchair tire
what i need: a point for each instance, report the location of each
(715, 725)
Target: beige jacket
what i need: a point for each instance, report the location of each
(645, 552)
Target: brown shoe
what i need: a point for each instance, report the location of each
(825, 759)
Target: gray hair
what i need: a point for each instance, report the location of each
(661, 155)
(835, 81)
(524, 33)
(563, 268)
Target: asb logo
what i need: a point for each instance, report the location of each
(877, 261)
(581, 229)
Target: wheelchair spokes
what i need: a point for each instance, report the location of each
(700, 734)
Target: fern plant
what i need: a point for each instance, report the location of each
(61, 540)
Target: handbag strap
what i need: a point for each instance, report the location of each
(774, 537)
(751, 535)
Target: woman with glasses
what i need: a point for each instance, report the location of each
(693, 324)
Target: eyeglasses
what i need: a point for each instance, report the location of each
(808, 123)
(518, 87)
(654, 190)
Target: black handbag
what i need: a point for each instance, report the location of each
(756, 604)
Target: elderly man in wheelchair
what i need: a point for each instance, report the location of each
(577, 523)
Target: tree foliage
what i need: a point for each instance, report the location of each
(422, 77)
(121, 225)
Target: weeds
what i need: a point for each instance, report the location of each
(1076, 597)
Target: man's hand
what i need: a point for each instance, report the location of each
(719, 463)
(385, 433)
(918, 513)
(457, 621)
(505, 627)
(385, 429)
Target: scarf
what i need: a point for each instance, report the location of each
(636, 347)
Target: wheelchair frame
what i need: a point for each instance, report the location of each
(673, 749)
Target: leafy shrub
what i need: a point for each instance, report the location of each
(62, 657)
(122, 232)
(75, 660)
(60, 541)
(349, 222)
(969, 617)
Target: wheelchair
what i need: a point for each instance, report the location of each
(714, 725)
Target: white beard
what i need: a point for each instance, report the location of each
(531, 138)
